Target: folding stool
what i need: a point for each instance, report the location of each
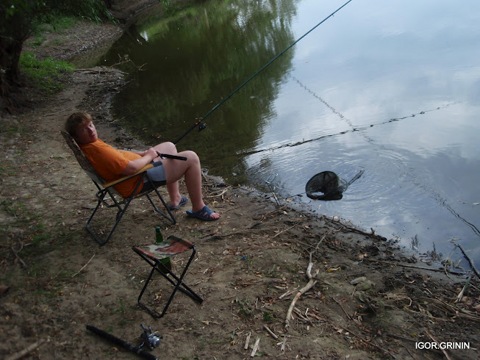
(153, 255)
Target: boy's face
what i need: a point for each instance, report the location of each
(86, 132)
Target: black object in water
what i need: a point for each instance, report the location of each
(328, 186)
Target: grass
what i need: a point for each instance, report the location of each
(245, 311)
(45, 74)
(13, 208)
(52, 24)
(268, 316)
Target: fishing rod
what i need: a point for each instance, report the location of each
(200, 122)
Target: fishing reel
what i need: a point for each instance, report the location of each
(149, 338)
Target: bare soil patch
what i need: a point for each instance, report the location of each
(368, 299)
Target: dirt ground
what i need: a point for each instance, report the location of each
(367, 300)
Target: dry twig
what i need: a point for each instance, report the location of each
(247, 341)
(272, 334)
(465, 287)
(255, 348)
(15, 252)
(443, 350)
(283, 344)
(365, 341)
(83, 267)
(408, 266)
(281, 232)
(343, 309)
(472, 265)
(25, 351)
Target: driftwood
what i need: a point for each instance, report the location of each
(311, 283)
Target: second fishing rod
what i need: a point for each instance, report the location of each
(200, 123)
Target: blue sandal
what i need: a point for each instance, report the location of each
(183, 202)
(204, 214)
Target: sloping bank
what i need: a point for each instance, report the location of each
(367, 299)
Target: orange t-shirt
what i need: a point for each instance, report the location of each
(109, 164)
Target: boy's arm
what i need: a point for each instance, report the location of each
(134, 166)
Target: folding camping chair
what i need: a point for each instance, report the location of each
(107, 196)
(154, 254)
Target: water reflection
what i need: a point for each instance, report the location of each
(193, 62)
(392, 88)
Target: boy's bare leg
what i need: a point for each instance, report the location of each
(192, 172)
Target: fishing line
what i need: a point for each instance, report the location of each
(335, 111)
(200, 122)
(447, 206)
(354, 129)
(323, 101)
(440, 200)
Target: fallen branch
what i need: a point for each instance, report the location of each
(470, 262)
(25, 351)
(454, 310)
(442, 270)
(311, 283)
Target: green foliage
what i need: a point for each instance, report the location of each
(45, 73)
(12, 208)
(49, 25)
(18, 20)
(40, 236)
(245, 310)
(56, 23)
(54, 12)
(93, 10)
(268, 316)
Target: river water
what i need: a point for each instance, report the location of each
(388, 87)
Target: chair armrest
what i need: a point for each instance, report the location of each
(118, 181)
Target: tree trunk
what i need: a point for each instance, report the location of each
(14, 30)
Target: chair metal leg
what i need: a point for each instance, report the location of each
(122, 208)
(176, 281)
(167, 214)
